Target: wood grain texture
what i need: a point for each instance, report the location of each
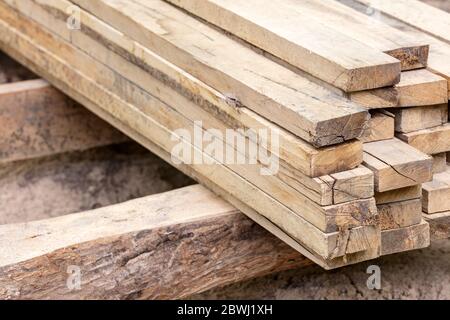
(351, 185)
(397, 195)
(344, 62)
(439, 50)
(416, 88)
(439, 225)
(328, 219)
(439, 163)
(191, 97)
(381, 127)
(436, 194)
(396, 164)
(440, 137)
(142, 249)
(401, 214)
(36, 120)
(406, 239)
(104, 102)
(421, 88)
(412, 53)
(424, 17)
(306, 109)
(419, 118)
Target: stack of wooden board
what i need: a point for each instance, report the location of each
(152, 69)
(197, 221)
(424, 126)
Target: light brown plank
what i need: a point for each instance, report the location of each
(419, 118)
(36, 120)
(401, 214)
(412, 53)
(397, 195)
(396, 164)
(436, 194)
(439, 163)
(345, 63)
(381, 127)
(430, 141)
(406, 239)
(424, 17)
(243, 75)
(439, 50)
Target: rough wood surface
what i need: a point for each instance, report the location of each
(405, 239)
(412, 53)
(396, 164)
(59, 72)
(143, 249)
(416, 88)
(439, 137)
(191, 97)
(439, 225)
(436, 194)
(327, 219)
(421, 88)
(439, 50)
(381, 127)
(306, 109)
(397, 195)
(439, 163)
(37, 120)
(401, 214)
(314, 47)
(419, 118)
(351, 185)
(424, 17)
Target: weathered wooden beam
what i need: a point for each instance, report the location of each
(418, 14)
(381, 127)
(400, 214)
(397, 195)
(37, 120)
(143, 249)
(396, 165)
(419, 118)
(412, 53)
(272, 27)
(440, 137)
(405, 239)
